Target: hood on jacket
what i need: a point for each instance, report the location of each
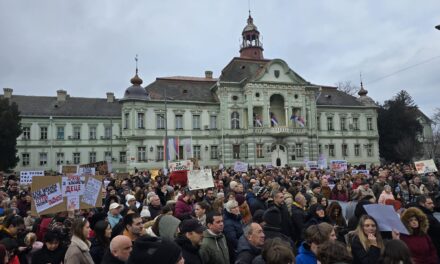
(421, 217)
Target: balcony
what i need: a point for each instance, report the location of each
(278, 131)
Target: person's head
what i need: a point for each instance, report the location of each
(254, 234)
(334, 210)
(155, 250)
(276, 251)
(368, 226)
(214, 221)
(154, 200)
(315, 187)
(315, 235)
(14, 224)
(387, 189)
(133, 224)
(4, 257)
(300, 199)
(52, 239)
(425, 202)
(81, 228)
(324, 182)
(115, 208)
(210, 194)
(278, 198)
(131, 200)
(103, 231)
(193, 230)
(396, 251)
(333, 252)
(417, 180)
(232, 207)
(201, 208)
(415, 221)
(120, 247)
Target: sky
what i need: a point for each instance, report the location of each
(88, 47)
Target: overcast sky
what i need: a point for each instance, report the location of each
(88, 47)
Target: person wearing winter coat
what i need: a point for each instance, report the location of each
(427, 206)
(250, 244)
(190, 239)
(314, 236)
(419, 243)
(366, 243)
(100, 243)
(233, 228)
(79, 249)
(272, 227)
(298, 216)
(214, 249)
(184, 208)
(259, 200)
(386, 195)
(52, 252)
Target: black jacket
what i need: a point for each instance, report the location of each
(434, 228)
(97, 250)
(44, 256)
(108, 258)
(362, 256)
(298, 220)
(286, 222)
(273, 232)
(255, 204)
(189, 252)
(246, 252)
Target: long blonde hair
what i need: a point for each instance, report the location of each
(363, 238)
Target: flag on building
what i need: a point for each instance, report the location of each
(297, 119)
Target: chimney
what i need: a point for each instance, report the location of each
(110, 97)
(61, 95)
(208, 74)
(7, 93)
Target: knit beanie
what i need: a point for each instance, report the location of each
(154, 250)
(272, 217)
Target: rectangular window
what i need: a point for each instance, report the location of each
(299, 150)
(331, 150)
(260, 151)
(357, 152)
(142, 154)
(355, 123)
(197, 152)
(196, 121)
(43, 159)
(214, 152)
(77, 133)
(180, 152)
(92, 157)
(369, 123)
(92, 133)
(160, 150)
(140, 120)
(43, 133)
(344, 150)
(318, 123)
(213, 122)
(343, 122)
(236, 151)
(122, 157)
(246, 151)
(60, 158)
(160, 121)
(369, 148)
(126, 120)
(107, 155)
(76, 158)
(25, 159)
(26, 133)
(108, 132)
(330, 123)
(60, 133)
(179, 122)
(320, 149)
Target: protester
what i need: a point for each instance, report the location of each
(367, 242)
(155, 250)
(113, 215)
(276, 251)
(314, 236)
(426, 204)
(332, 252)
(119, 251)
(395, 251)
(214, 249)
(250, 244)
(190, 239)
(200, 210)
(101, 241)
(79, 249)
(52, 252)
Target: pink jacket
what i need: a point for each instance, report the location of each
(385, 196)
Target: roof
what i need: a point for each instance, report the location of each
(239, 69)
(181, 88)
(73, 106)
(332, 96)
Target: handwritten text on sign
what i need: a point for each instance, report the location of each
(73, 185)
(47, 197)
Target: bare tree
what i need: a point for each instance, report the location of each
(348, 87)
(436, 133)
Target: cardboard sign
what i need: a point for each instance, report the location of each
(425, 166)
(86, 171)
(100, 167)
(73, 185)
(92, 191)
(355, 172)
(200, 179)
(181, 165)
(46, 192)
(240, 166)
(26, 176)
(68, 169)
(338, 165)
(312, 165)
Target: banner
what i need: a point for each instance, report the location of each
(47, 197)
(181, 165)
(240, 166)
(26, 176)
(200, 179)
(425, 166)
(338, 165)
(100, 167)
(386, 217)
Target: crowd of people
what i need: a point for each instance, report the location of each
(265, 215)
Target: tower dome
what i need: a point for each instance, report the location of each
(136, 91)
(251, 46)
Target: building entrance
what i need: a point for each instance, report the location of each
(279, 156)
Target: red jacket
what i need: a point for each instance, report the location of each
(182, 209)
(421, 247)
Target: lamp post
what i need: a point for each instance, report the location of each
(166, 129)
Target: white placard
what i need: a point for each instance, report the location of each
(47, 197)
(181, 165)
(240, 166)
(86, 171)
(73, 185)
(26, 176)
(72, 203)
(425, 166)
(200, 179)
(91, 192)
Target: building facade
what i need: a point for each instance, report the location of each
(258, 111)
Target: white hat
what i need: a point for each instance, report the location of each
(129, 197)
(145, 212)
(114, 206)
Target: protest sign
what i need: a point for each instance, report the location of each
(73, 185)
(100, 167)
(425, 166)
(154, 173)
(338, 165)
(92, 191)
(386, 217)
(47, 197)
(86, 171)
(181, 165)
(322, 162)
(26, 176)
(68, 169)
(52, 187)
(312, 165)
(240, 166)
(365, 172)
(200, 179)
(72, 202)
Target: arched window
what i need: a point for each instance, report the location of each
(235, 120)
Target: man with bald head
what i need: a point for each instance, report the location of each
(120, 249)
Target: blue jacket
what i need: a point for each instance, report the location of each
(113, 220)
(305, 255)
(233, 230)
